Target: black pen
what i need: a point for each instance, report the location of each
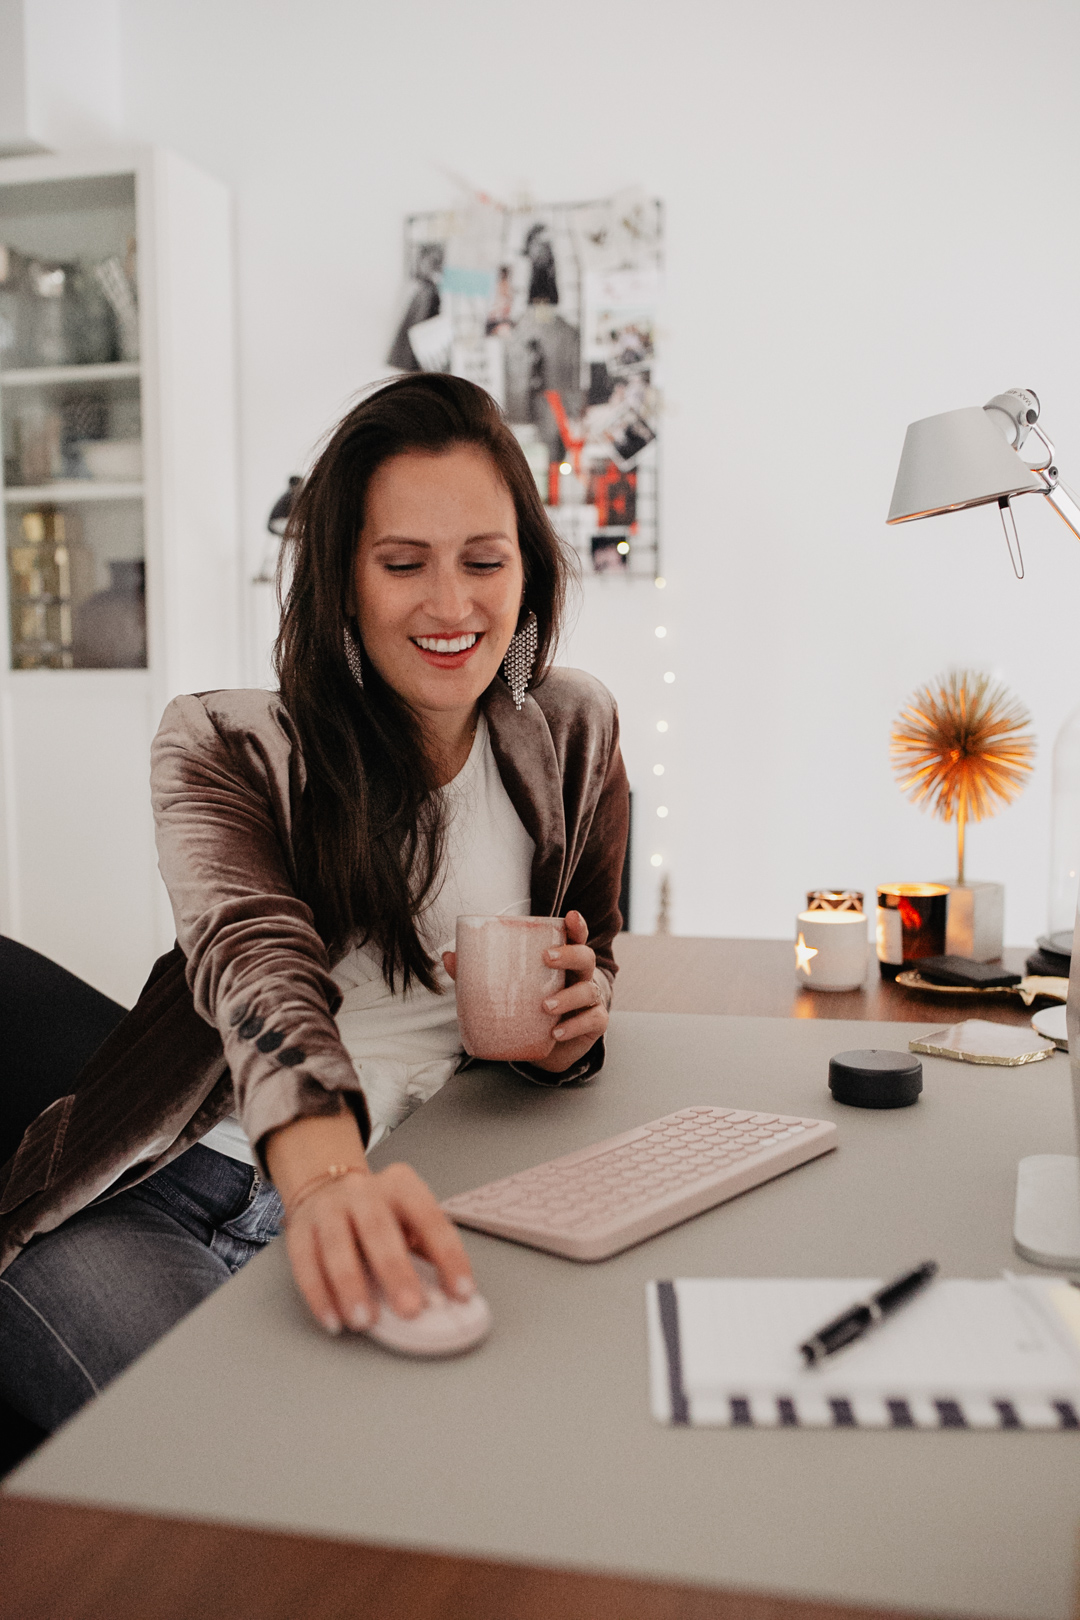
(857, 1319)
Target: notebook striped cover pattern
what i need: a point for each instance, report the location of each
(1001, 1355)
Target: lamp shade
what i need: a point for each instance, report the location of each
(954, 460)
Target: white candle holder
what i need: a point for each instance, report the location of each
(831, 950)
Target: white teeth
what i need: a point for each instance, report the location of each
(445, 644)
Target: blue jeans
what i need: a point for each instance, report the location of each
(78, 1305)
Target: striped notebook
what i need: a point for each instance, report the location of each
(962, 1355)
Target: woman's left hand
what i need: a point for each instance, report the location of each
(581, 1007)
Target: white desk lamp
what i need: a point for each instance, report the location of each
(971, 458)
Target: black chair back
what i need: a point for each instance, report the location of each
(51, 1023)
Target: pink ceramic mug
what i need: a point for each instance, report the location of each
(502, 983)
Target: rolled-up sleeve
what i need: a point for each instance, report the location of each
(223, 798)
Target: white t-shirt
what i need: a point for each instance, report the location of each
(406, 1046)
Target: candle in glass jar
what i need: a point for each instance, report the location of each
(830, 950)
(911, 922)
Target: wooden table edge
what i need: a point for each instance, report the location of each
(74, 1561)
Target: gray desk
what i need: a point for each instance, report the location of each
(540, 1447)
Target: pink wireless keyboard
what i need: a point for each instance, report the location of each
(592, 1203)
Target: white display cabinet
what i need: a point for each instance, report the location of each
(122, 578)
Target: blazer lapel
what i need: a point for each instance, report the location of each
(525, 754)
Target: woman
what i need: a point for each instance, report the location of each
(317, 846)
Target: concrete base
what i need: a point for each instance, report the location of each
(975, 922)
(1046, 1227)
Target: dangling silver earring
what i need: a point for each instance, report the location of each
(517, 666)
(352, 658)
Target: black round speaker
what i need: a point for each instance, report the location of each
(874, 1079)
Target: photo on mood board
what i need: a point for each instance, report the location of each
(553, 310)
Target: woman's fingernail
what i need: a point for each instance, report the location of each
(464, 1288)
(553, 954)
(331, 1323)
(558, 1032)
(360, 1317)
(551, 1005)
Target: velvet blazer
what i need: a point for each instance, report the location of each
(239, 1015)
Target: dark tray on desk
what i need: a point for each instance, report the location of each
(913, 980)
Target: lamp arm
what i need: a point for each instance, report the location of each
(1048, 464)
(1060, 499)
(1064, 505)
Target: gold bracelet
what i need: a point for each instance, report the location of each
(333, 1172)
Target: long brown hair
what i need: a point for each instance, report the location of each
(369, 842)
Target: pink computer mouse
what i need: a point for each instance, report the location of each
(444, 1327)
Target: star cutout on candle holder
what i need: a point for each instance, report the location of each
(804, 953)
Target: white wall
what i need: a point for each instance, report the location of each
(59, 73)
(872, 217)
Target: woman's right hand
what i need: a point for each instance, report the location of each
(359, 1228)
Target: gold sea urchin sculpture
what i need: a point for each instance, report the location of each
(960, 747)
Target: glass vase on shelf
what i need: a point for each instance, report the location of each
(14, 310)
(72, 320)
(71, 312)
(109, 628)
(36, 434)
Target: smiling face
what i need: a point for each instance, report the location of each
(438, 578)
